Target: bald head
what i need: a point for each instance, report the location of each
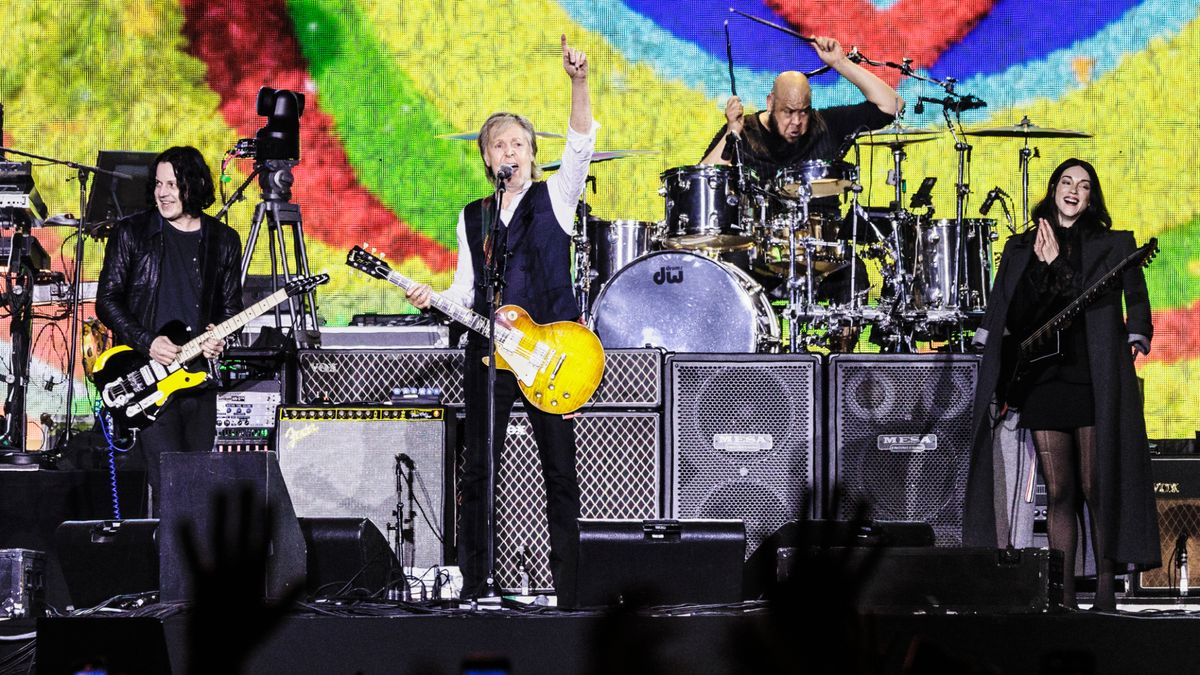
(789, 105)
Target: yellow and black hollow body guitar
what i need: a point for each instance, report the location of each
(134, 388)
(558, 366)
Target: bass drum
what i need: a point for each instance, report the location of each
(685, 302)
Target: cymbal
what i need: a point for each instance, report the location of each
(895, 134)
(474, 135)
(603, 156)
(1027, 129)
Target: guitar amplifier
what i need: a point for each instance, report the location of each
(633, 378)
(1177, 497)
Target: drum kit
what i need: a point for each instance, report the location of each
(733, 261)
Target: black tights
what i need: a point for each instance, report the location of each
(1068, 464)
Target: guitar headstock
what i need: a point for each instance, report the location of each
(364, 261)
(1148, 251)
(301, 286)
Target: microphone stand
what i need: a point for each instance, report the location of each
(493, 272)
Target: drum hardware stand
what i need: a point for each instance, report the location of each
(1026, 153)
(799, 307)
(21, 326)
(583, 259)
(276, 179)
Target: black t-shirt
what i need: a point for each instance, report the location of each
(826, 139)
(179, 287)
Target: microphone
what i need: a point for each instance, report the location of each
(405, 460)
(990, 200)
(505, 171)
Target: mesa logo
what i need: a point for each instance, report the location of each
(906, 442)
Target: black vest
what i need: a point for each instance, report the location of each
(538, 277)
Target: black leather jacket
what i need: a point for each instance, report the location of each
(128, 291)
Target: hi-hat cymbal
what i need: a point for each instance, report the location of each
(603, 156)
(896, 134)
(474, 135)
(1027, 129)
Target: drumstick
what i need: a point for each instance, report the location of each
(729, 59)
(776, 26)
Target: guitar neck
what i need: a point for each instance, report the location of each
(227, 327)
(472, 320)
(1087, 297)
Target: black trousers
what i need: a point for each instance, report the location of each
(555, 439)
(187, 424)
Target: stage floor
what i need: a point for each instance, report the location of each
(377, 637)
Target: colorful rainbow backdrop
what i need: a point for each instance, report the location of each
(385, 77)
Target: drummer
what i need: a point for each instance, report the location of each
(790, 131)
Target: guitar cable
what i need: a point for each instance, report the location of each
(105, 421)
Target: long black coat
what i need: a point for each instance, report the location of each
(1126, 512)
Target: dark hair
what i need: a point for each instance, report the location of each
(1096, 213)
(192, 175)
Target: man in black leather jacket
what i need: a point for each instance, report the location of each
(172, 263)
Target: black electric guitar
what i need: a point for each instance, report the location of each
(1018, 355)
(134, 388)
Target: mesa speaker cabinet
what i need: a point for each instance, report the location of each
(351, 462)
(1177, 496)
(742, 439)
(617, 460)
(900, 437)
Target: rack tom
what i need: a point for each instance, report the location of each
(703, 209)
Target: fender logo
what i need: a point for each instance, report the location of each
(294, 435)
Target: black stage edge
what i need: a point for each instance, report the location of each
(706, 641)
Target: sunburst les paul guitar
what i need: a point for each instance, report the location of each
(558, 365)
(134, 388)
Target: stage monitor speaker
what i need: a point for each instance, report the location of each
(656, 562)
(104, 558)
(742, 439)
(191, 484)
(1177, 496)
(900, 437)
(763, 567)
(617, 460)
(347, 555)
(343, 462)
(939, 580)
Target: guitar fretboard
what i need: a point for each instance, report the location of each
(227, 327)
(471, 319)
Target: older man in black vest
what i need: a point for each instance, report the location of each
(538, 219)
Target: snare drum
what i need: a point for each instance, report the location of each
(829, 251)
(952, 271)
(685, 302)
(702, 209)
(827, 179)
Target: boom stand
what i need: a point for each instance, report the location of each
(276, 208)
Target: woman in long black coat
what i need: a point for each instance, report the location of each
(1084, 408)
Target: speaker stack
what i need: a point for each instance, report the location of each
(743, 439)
(900, 437)
(618, 446)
